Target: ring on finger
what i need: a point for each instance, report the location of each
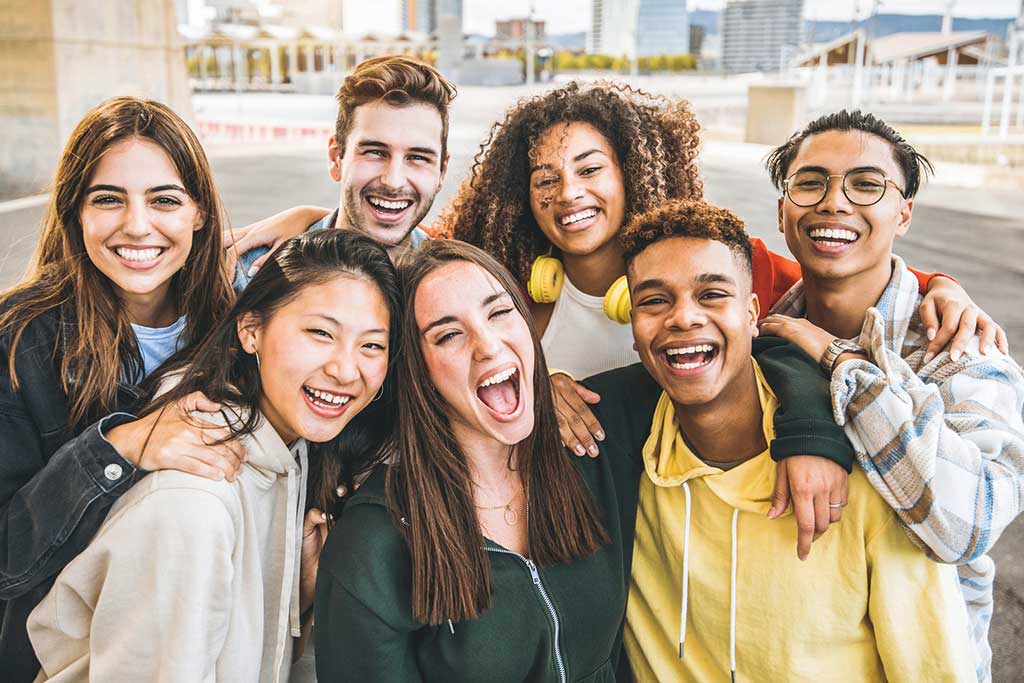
(837, 506)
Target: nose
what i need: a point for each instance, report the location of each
(571, 189)
(687, 314)
(835, 200)
(343, 367)
(136, 220)
(486, 344)
(394, 173)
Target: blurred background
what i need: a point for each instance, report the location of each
(256, 79)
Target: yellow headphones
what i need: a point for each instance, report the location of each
(547, 276)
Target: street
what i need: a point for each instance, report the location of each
(974, 234)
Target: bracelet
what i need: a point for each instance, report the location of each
(836, 348)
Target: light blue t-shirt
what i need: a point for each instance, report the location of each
(157, 344)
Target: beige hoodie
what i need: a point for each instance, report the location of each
(188, 579)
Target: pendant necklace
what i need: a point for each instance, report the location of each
(510, 515)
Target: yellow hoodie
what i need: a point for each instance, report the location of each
(866, 605)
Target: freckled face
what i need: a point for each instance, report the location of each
(577, 192)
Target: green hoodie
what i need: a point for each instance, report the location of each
(559, 623)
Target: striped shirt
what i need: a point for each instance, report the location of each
(942, 442)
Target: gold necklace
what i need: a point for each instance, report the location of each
(511, 516)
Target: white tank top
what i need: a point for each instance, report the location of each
(581, 339)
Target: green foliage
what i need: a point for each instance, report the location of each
(569, 61)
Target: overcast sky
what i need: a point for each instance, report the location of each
(570, 16)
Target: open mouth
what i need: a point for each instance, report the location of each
(833, 237)
(139, 257)
(578, 220)
(388, 209)
(688, 358)
(326, 402)
(500, 392)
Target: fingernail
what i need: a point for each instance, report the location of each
(931, 333)
(928, 357)
(600, 435)
(563, 444)
(330, 517)
(253, 269)
(580, 450)
(955, 354)
(771, 512)
(593, 450)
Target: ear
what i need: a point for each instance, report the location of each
(248, 326)
(199, 222)
(444, 169)
(334, 156)
(754, 310)
(903, 219)
(782, 199)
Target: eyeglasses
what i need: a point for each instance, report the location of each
(862, 187)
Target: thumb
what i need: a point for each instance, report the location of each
(929, 318)
(780, 496)
(586, 394)
(314, 518)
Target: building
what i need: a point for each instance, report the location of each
(663, 28)
(515, 29)
(697, 33)
(613, 25)
(760, 35)
(421, 16)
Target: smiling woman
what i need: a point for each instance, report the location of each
(197, 579)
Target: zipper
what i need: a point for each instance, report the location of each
(535, 576)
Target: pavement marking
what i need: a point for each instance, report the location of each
(24, 203)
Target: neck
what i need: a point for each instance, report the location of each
(595, 272)
(155, 309)
(394, 250)
(488, 460)
(728, 428)
(838, 305)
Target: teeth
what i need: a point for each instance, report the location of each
(579, 216)
(833, 234)
(702, 348)
(689, 366)
(138, 254)
(499, 378)
(385, 204)
(326, 397)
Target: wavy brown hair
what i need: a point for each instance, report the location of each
(655, 139)
(61, 277)
(430, 489)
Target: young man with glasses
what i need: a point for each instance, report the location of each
(940, 437)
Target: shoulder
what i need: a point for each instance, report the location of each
(625, 391)
(169, 499)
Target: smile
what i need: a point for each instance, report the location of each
(578, 216)
(500, 393)
(833, 236)
(326, 403)
(690, 358)
(389, 206)
(139, 258)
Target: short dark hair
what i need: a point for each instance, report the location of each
(397, 80)
(912, 163)
(687, 218)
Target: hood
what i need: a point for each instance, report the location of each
(670, 462)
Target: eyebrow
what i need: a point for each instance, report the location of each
(702, 279)
(116, 188)
(451, 318)
(579, 157)
(337, 323)
(821, 169)
(378, 144)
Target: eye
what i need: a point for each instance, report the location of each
(590, 170)
(106, 200)
(167, 202)
(653, 301)
(374, 152)
(810, 184)
(715, 294)
(446, 337)
(317, 332)
(501, 312)
(546, 182)
(419, 157)
(375, 346)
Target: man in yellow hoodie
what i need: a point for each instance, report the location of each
(716, 592)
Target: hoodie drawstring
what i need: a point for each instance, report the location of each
(686, 585)
(295, 505)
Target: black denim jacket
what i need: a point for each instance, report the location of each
(56, 485)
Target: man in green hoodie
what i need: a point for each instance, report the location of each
(708, 565)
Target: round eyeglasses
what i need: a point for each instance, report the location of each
(862, 187)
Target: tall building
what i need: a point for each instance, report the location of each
(663, 28)
(421, 16)
(613, 25)
(758, 34)
(515, 29)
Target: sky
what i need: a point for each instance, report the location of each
(571, 16)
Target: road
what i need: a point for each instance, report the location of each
(974, 234)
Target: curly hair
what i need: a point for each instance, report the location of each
(656, 141)
(682, 218)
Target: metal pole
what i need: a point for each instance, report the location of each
(1004, 118)
(528, 49)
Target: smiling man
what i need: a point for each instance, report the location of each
(389, 155)
(941, 438)
(716, 590)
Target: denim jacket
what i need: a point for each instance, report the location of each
(56, 485)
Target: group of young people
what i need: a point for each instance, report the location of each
(363, 448)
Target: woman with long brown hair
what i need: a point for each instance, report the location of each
(482, 553)
(127, 271)
(190, 579)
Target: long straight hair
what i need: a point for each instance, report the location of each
(430, 490)
(221, 368)
(61, 275)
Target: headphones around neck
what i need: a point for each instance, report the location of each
(548, 274)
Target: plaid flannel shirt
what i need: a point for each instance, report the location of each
(942, 442)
